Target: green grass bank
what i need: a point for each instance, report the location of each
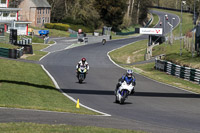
(44, 128)
(131, 52)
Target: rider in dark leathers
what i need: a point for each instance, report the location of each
(129, 78)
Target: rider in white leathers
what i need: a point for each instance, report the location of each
(84, 63)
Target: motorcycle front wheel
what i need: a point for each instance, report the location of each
(116, 100)
(80, 81)
(124, 95)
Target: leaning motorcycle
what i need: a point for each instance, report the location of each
(123, 92)
(81, 73)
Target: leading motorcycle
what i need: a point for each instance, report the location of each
(123, 92)
(81, 75)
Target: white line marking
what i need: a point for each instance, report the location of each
(49, 46)
(143, 75)
(44, 56)
(71, 98)
(119, 48)
(104, 114)
(47, 111)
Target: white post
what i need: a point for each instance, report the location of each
(193, 31)
(172, 29)
(182, 2)
(181, 30)
(165, 17)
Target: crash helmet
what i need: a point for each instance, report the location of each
(83, 60)
(129, 73)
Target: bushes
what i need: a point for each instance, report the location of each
(49, 25)
(58, 26)
(65, 27)
(84, 29)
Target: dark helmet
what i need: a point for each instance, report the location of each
(83, 60)
(129, 73)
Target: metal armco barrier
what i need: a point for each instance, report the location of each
(178, 71)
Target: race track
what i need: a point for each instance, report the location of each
(155, 107)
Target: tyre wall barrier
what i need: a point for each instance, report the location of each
(178, 71)
(24, 41)
(27, 49)
(11, 53)
(4, 52)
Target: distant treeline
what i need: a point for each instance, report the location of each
(176, 4)
(97, 13)
(113, 13)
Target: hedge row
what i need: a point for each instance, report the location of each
(58, 26)
(84, 29)
(65, 27)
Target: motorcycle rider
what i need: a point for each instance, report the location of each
(128, 78)
(82, 62)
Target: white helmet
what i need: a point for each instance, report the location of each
(129, 73)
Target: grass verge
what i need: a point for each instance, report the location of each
(37, 53)
(9, 46)
(130, 53)
(172, 54)
(149, 71)
(187, 24)
(44, 128)
(26, 85)
(54, 32)
(58, 33)
(155, 20)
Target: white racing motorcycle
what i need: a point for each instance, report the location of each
(81, 73)
(123, 92)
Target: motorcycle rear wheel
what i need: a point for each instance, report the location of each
(80, 81)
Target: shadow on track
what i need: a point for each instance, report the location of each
(159, 94)
(81, 83)
(141, 94)
(28, 84)
(94, 92)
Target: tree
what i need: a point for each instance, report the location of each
(137, 11)
(86, 12)
(144, 10)
(57, 9)
(111, 12)
(74, 11)
(93, 13)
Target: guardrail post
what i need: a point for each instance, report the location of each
(173, 69)
(192, 74)
(182, 72)
(179, 71)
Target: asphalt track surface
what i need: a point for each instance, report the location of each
(155, 107)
